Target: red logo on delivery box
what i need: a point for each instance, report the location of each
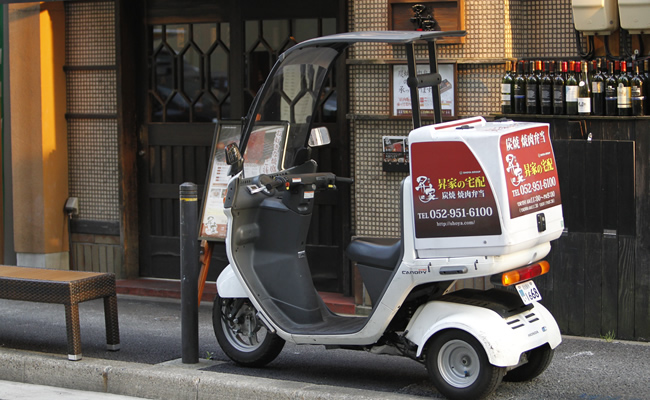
(530, 170)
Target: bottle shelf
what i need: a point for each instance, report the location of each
(581, 117)
(392, 61)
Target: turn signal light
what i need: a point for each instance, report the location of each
(523, 274)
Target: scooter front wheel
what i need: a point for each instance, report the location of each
(459, 367)
(241, 335)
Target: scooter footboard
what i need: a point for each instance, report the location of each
(504, 339)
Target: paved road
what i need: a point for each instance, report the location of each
(150, 334)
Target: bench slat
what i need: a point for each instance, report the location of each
(40, 274)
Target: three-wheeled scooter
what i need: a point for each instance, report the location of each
(482, 200)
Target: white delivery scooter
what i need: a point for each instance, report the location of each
(482, 200)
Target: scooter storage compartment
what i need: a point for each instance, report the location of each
(483, 188)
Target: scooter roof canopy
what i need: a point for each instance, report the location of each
(392, 37)
(297, 81)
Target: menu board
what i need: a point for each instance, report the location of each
(401, 93)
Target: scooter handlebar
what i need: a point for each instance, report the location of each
(272, 182)
(327, 180)
(321, 181)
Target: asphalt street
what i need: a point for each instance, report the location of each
(593, 369)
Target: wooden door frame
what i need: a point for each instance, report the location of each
(132, 25)
(128, 34)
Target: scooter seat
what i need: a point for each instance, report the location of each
(381, 253)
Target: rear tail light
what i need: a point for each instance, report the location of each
(523, 274)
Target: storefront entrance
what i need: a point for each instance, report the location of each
(203, 64)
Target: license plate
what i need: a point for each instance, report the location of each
(528, 292)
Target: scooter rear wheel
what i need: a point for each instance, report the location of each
(241, 335)
(459, 367)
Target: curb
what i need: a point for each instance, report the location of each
(169, 380)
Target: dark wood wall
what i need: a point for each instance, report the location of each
(599, 282)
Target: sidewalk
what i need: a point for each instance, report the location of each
(26, 391)
(171, 289)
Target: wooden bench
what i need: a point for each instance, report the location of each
(68, 288)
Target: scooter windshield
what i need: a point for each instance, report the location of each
(287, 102)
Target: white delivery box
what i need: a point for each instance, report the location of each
(483, 188)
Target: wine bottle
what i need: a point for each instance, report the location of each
(558, 91)
(551, 69)
(630, 70)
(598, 90)
(646, 73)
(532, 90)
(506, 91)
(571, 88)
(584, 90)
(611, 107)
(546, 91)
(538, 70)
(638, 91)
(623, 92)
(520, 90)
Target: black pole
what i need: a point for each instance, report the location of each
(435, 89)
(189, 274)
(412, 83)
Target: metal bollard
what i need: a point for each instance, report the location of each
(189, 273)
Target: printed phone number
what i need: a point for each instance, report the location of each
(443, 213)
(528, 188)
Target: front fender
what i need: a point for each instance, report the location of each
(229, 286)
(503, 339)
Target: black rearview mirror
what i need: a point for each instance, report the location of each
(234, 158)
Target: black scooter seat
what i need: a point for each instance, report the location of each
(375, 252)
